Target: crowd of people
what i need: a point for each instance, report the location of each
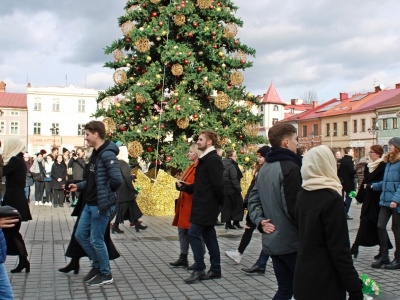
(298, 199)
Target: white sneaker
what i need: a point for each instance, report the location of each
(47, 204)
(40, 203)
(235, 255)
(37, 203)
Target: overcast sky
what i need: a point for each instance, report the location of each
(328, 46)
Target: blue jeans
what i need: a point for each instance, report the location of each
(347, 200)
(262, 260)
(284, 272)
(5, 286)
(27, 192)
(90, 234)
(210, 238)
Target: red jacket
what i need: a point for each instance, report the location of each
(184, 205)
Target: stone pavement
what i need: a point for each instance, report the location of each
(142, 272)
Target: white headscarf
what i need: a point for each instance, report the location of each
(12, 146)
(319, 170)
(123, 154)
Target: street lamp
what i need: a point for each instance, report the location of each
(81, 131)
(374, 131)
(54, 132)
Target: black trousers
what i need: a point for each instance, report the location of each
(247, 235)
(49, 194)
(58, 197)
(384, 216)
(39, 189)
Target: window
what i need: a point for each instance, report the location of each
(274, 120)
(304, 130)
(56, 104)
(276, 108)
(292, 110)
(385, 124)
(394, 123)
(335, 129)
(55, 127)
(81, 105)
(14, 128)
(315, 130)
(15, 113)
(355, 126)
(362, 125)
(328, 129)
(344, 128)
(373, 121)
(37, 128)
(2, 127)
(81, 129)
(262, 108)
(37, 104)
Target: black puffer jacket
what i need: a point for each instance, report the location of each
(231, 180)
(58, 171)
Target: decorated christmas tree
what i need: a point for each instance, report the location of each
(177, 72)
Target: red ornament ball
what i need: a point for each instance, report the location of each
(214, 33)
(116, 60)
(215, 46)
(119, 111)
(127, 40)
(145, 128)
(240, 137)
(154, 14)
(169, 65)
(144, 71)
(137, 68)
(144, 5)
(236, 42)
(174, 101)
(242, 61)
(123, 128)
(150, 149)
(178, 7)
(137, 107)
(110, 134)
(168, 158)
(186, 62)
(242, 151)
(160, 23)
(237, 111)
(208, 97)
(211, 6)
(195, 116)
(162, 126)
(195, 24)
(133, 58)
(178, 108)
(199, 69)
(190, 34)
(190, 53)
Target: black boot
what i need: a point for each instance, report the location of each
(228, 225)
(139, 226)
(181, 262)
(115, 228)
(23, 264)
(72, 266)
(237, 224)
(382, 260)
(395, 264)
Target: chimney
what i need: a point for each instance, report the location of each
(2, 87)
(343, 96)
(292, 101)
(377, 89)
(314, 104)
(397, 85)
(29, 84)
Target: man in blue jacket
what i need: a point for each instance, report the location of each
(101, 180)
(272, 202)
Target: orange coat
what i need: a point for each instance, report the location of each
(184, 205)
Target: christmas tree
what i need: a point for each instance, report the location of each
(177, 72)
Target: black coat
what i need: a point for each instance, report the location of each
(77, 165)
(324, 267)
(233, 202)
(347, 172)
(367, 234)
(58, 171)
(15, 172)
(207, 190)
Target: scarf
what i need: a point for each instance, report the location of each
(208, 150)
(372, 165)
(280, 154)
(319, 170)
(12, 146)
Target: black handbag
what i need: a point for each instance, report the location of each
(38, 176)
(8, 211)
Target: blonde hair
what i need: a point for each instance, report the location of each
(196, 150)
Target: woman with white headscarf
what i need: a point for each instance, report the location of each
(15, 172)
(324, 267)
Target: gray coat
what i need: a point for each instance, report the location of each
(77, 165)
(274, 197)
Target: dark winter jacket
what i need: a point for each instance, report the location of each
(324, 267)
(58, 171)
(77, 165)
(390, 185)
(15, 172)
(231, 180)
(274, 197)
(107, 175)
(3, 247)
(207, 190)
(126, 191)
(346, 173)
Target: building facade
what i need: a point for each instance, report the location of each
(57, 116)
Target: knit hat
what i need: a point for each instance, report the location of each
(27, 155)
(263, 150)
(395, 141)
(43, 152)
(64, 150)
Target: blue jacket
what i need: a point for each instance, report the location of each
(3, 247)
(108, 177)
(390, 185)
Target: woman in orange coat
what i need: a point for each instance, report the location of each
(184, 207)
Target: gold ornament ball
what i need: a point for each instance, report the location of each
(233, 145)
(148, 58)
(205, 78)
(201, 124)
(195, 119)
(139, 131)
(223, 65)
(164, 32)
(128, 65)
(158, 38)
(176, 94)
(220, 53)
(246, 159)
(118, 105)
(208, 110)
(131, 78)
(250, 95)
(218, 9)
(158, 76)
(155, 118)
(235, 120)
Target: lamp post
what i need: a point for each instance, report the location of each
(54, 132)
(81, 130)
(374, 131)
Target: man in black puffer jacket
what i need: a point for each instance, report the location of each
(102, 177)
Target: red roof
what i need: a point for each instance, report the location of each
(271, 96)
(380, 100)
(13, 100)
(394, 101)
(299, 106)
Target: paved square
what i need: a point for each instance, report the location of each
(143, 271)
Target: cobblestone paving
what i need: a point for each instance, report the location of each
(143, 272)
